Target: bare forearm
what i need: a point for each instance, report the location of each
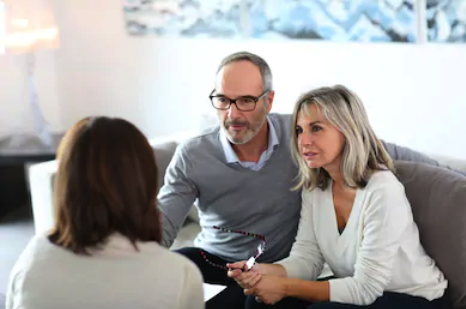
(270, 269)
(315, 291)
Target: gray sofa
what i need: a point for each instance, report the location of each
(437, 195)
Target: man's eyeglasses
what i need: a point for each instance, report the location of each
(252, 260)
(244, 103)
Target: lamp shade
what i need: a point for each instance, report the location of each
(30, 26)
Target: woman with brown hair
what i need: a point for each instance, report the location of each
(103, 251)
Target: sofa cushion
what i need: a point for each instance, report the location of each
(438, 200)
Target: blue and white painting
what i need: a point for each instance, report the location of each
(334, 20)
(184, 18)
(446, 21)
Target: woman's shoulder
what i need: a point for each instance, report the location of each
(383, 180)
(308, 195)
(171, 259)
(384, 188)
(38, 246)
(172, 268)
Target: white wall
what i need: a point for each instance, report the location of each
(415, 94)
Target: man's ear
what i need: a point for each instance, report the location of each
(270, 97)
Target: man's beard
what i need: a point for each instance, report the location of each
(250, 130)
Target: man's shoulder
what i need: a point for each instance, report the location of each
(281, 125)
(204, 140)
(281, 122)
(279, 117)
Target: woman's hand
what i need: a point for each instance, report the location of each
(269, 290)
(244, 277)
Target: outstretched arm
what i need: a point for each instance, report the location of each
(176, 197)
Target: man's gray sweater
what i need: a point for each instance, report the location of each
(231, 196)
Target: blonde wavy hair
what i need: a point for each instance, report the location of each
(363, 153)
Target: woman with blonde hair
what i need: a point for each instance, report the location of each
(355, 217)
(103, 251)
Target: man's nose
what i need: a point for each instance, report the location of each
(233, 112)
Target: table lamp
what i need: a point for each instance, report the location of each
(30, 26)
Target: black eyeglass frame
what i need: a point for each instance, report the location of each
(255, 99)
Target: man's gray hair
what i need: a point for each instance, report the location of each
(264, 68)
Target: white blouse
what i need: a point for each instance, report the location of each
(49, 277)
(379, 249)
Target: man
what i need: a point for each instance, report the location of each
(240, 174)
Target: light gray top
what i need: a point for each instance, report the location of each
(117, 276)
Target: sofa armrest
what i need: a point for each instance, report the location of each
(41, 178)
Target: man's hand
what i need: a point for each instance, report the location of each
(244, 277)
(269, 290)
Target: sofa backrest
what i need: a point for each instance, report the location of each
(438, 200)
(163, 154)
